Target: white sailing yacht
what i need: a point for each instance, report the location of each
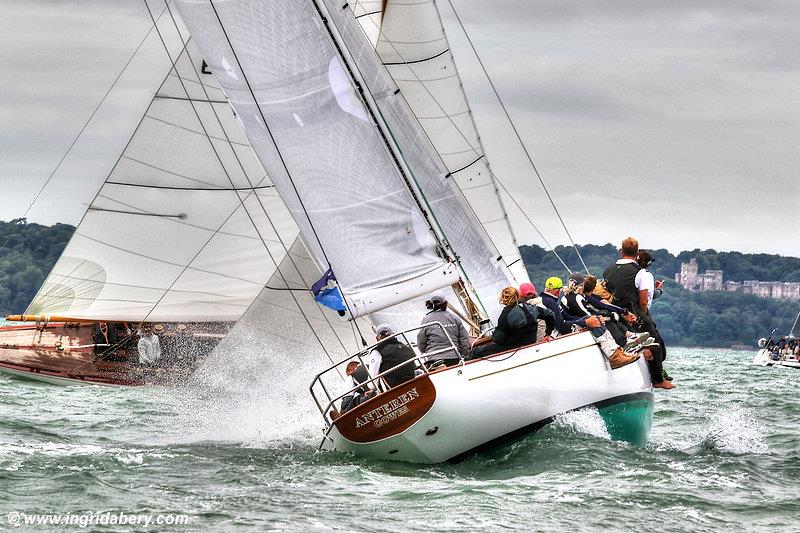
(370, 143)
(776, 353)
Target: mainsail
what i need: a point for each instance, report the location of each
(187, 226)
(796, 328)
(483, 266)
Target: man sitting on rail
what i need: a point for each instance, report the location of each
(389, 353)
(357, 375)
(564, 322)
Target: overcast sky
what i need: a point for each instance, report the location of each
(677, 121)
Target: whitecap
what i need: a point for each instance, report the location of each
(587, 421)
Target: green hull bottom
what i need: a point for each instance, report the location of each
(629, 421)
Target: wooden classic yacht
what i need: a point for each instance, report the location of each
(79, 352)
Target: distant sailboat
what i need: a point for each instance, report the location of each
(183, 235)
(371, 145)
(780, 352)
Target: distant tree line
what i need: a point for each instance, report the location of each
(685, 318)
(689, 318)
(26, 259)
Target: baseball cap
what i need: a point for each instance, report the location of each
(577, 278)
(383, 329)
(553, 283)
(527, 289)
(437, 297)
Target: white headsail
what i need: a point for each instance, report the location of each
(186, 227)
(414, 48)
(287, 80)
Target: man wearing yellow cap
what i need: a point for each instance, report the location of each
(564, 322)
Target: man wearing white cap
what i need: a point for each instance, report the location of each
(432, 338)
(389, 353)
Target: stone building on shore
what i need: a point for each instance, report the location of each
(711, 280)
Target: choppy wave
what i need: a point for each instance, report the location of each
(236, 449)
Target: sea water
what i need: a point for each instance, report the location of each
(238, 452)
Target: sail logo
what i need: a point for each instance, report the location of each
(391, 410)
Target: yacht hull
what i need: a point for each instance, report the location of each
(764, 358)
(449, 414)
(64, 354)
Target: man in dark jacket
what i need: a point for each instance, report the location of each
(389, 353)
(625, 281)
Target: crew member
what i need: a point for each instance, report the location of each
(390, 353)
(432, 338)
(149, 346)
(625, 283)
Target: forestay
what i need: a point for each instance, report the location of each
(171, 235)
(283, 75)
(413, 46)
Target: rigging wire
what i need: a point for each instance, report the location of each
(480, 153)
(517, 134)
(80, 133)
(40, 293)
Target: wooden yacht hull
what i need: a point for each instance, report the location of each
(452, 413)
(64, 354)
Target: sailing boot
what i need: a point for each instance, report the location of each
(636, 340)
(619, 359)
(666, 376)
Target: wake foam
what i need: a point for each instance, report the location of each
(587, 421)
(252, 390)
(735, 431)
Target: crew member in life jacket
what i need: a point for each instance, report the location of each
(625, 282)
(616, 356)
(575, 302)
(104, 337)
(516, 326)
(432, 338)
(389, 353)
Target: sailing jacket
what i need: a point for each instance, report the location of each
(394, 352)
(563, 321)
(518, 324)
(432, 338)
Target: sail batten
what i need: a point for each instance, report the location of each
(186, 226)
